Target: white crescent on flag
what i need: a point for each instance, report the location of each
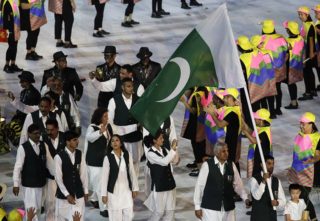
(184, 77)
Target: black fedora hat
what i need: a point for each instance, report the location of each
(110, 49)
(26, 76)
(144, 52)
(58, 55)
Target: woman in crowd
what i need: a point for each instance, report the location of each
(98, 136)
(119, 184)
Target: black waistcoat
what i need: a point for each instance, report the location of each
(97, 150)
(34, 169)
(71, 175)
(219, 190)
(114, 171)
(262, 209)
(123, 117)
(161, 176)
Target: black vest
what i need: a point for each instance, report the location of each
(71, 175)
(53, 151)
(65, 106)
(219, 190)
(97, 150)
(262, 209)
(34, 169)
(123, 117)
(161, 176)
(114, 170)
(38, 121)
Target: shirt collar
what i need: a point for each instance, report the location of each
(69, 152)
(124, 97)
(216, 161)
(112, 152)
(33, 143)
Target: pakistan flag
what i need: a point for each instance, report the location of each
(206, 57)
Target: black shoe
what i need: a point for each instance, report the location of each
(194, 173)
(195, 3)
(314, 93)
(8, 69)
(305, 97)
(133, 22)
(104, 32)
(31, 57)
(104, 213)
(98, 34)
(70, 45)
(273, 116)
(278, 112)
(163, 12)
(126, 24)
(318, 87)
(59, 44)
(156, 15)
(42, 210)
(15, 68)
(191, 165)
(291, 106)
(95, 204)
(184, 5)
(34, 54)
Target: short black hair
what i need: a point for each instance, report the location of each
(97, 115)
(128, 67)
(53, 122)
(54, 96)
(148, 140)
(33, 127)
(46, 99)
(294, 186)
(69, 135)
(268, 157)
(124, 80)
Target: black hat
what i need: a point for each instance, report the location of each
(58, 55)
(110, 50)
(144, 52)
(26, 76)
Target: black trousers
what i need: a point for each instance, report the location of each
(278, 96)
(156, 5)
(32, 38)
(199, 150)
(67, 18)
(99, 15)
(129, 9)
(11, 53)
(308, 75)
(305, 191)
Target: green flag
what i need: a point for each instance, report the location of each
(206, 57)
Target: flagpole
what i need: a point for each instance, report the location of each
(258, 142)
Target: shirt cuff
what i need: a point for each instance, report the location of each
(197, 207)
(66, 193)
(16, 184)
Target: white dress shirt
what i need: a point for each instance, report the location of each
(110, 86)
(58, 173)
(258, 190)
(295, 210)
(121, 198)
(20, 162)
(202, 181)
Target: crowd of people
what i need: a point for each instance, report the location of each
(50, 171)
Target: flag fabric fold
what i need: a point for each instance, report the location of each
(204, 58)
